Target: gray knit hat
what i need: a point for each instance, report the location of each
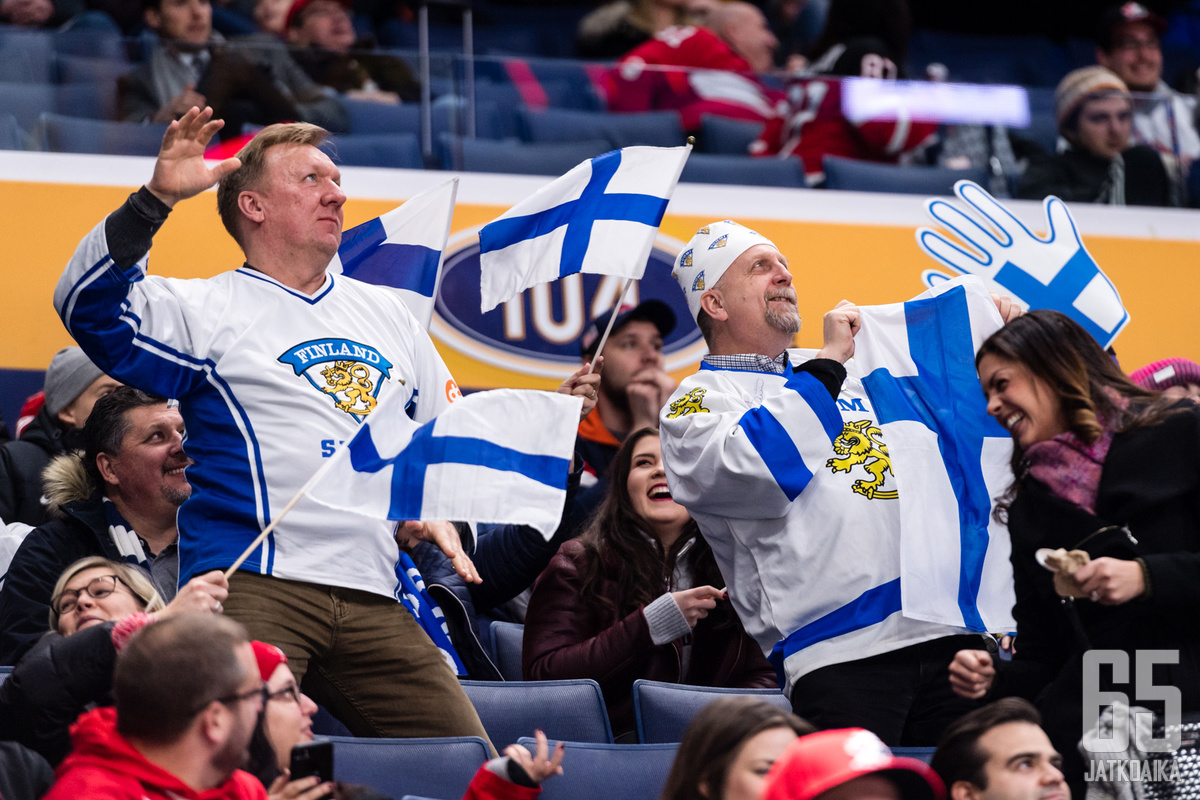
(69, 373)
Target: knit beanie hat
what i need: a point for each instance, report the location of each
(710, 252)
(1164, 374)
(69, 373)
(1075, 88)
(269, 657)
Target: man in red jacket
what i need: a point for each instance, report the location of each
(188, 696)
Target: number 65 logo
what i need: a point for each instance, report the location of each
(1095, 700)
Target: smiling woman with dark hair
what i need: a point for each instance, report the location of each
(639, 595)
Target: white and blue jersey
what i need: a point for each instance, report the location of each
(269, 381)
(794, 492)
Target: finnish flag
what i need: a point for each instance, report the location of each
(494, 457)
(402, 250)
(950, 459)
(601, 217)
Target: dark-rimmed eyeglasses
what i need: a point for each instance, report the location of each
(98, 588)
(289, 692)
(259, 691)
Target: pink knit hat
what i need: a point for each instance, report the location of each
(1164, 374)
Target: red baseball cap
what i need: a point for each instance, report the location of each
(269, 657)
(824, 760)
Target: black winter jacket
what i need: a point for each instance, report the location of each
(21, 465)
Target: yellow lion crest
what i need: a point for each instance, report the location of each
(351, 380)
(860, 444)
(690, 403)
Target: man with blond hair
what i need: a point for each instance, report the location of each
(274, 364)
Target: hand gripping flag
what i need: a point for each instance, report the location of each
(402, 249)
(1055, 271)
(601, 217)
(500, 456)
(949, 458)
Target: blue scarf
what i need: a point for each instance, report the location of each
(411, 592)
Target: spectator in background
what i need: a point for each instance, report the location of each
(73, 385)
(633, 390)
(848, 764)
(862, 39)
(1000, 752)
(612, 30)
(639, 595)
(1094, 114)
(1174, 377)
(1165, 120)
(699, 71)
(117, 499)
(188, 697)
(728, 748)
(271, 17)
(97, 604)
(325, 45)
(252, 83)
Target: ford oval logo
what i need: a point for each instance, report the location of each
(539, 331)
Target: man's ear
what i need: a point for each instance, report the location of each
(965, 790)
(66, 416)
(104, 463)
(713, 305)
(250, 204)
(153, 18)
(214, 723)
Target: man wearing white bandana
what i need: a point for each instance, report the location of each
(808, 560)
(117, 498)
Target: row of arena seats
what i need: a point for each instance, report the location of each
(568, 711)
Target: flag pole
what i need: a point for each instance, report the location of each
(279, 517)
(608, 330)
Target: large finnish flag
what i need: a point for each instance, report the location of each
(402, 249)
(500, 456)
(601, 217)
(950, 459)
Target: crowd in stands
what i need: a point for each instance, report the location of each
(778, 66)
(712, 534)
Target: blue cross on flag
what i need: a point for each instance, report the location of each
(402, 250)
(601, 217)
(493, 457)
(950, 459)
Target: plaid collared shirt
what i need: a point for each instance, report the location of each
(752, 362)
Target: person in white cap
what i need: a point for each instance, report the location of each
(73, 385)
(805, 556)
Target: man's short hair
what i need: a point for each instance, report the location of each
(253, 158)
(105, 429)
(171, 670)
(959, 756)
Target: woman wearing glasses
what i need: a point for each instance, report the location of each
(96, 606)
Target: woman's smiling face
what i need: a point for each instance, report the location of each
(1023, 403)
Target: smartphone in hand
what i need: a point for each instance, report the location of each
(312, 758)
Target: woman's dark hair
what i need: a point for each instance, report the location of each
(1058, 351)
(713, 740)
(618, 546)
(889, 20)
(263, 763)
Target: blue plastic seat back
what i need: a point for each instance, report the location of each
(507, 638)
(657, 128)
(396, 767)
(394, 150)
(863, 176)
(920, 753)
(483, 155)
(447, 116)
(26, 56)
(605, 771)
(61, 134)
(743, 170)
(572, 710)
(664, 710)
(728, 136)
(12, 137)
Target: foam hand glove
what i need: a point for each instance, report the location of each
(1054, 272)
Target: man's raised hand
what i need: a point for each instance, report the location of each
(181, 171)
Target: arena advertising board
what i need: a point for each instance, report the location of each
(840, 245)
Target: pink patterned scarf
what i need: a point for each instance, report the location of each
(1069, 466)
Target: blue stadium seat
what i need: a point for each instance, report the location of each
(59, 134)
(85, 69)
(658, 128)
(728, 136)
(920, 753)
(394, 150)
(396, 767)
(508, 638)
(663, 710)
(1043, 129)
(863, 176)
(4, 673)
(743, 170)
(604, 771)
(570, 710)
(447, 117)
(25, 56)
(972, 58)
(11, 135)
(326, 724)
(483, 155)
(28, 101)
